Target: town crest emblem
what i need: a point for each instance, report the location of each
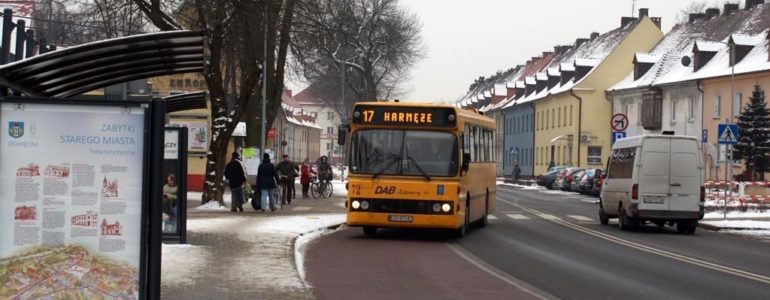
(16, 129)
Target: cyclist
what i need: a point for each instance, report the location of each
(325, 173)
(286, 172)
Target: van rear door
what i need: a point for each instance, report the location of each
(685, 176)
(653, 178)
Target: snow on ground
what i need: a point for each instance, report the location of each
(177, 255)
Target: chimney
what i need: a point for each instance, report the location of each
(696, 17)
(626, 20)
(644, 12)
(752, 3)
(579, 42)
(656, 21)
(730, 8)
(712, 13)
(594, 35)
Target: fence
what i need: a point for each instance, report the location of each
(744, 192)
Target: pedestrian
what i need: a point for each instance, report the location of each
(516, 172)
(325, 170)
(236, 177)
(286, 171)
(266, 182)
(304, 177)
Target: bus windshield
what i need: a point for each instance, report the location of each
(403, 152)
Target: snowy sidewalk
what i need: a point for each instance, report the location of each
(246, 255)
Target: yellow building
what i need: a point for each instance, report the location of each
(572, 114)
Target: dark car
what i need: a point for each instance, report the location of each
(566, 184)
(596, 189)
(575, 184)
(587, 182)
(547, 179)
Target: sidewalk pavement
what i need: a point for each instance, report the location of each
(246, 255)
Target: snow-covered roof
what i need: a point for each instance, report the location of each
(566, 67)
(708, 46)
(500, 89)
(746, 39)
(751, 25)
(542, 76)
(554, 72)
(530, 80)
(646, 58)
(586, 62)
(487, 94)
(520, 84)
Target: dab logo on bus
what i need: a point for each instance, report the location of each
(385, 190)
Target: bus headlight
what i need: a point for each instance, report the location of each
(365, 205)
(355, 204)
(436, 207)
(446, 207)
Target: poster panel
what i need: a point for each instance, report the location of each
(197, 134)
(171, 176)
(71, 200)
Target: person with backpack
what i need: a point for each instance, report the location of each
(266, 182)
(236, 177)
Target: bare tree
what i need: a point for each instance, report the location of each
(235, 64)
(375, 41)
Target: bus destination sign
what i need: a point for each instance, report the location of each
(404, 116)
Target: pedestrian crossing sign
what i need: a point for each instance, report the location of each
(727, 134)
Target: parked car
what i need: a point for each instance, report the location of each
(558, 183)
(587, 181)
(547, 179)
(575, 183)
(566, 184)
(596, 189)
(554, 168)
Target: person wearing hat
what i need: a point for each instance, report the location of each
(236, 177)
(287, 172)
(266, 182)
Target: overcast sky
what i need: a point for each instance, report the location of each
(466, 39)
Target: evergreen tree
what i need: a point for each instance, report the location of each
(754, 135)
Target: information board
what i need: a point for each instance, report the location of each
(71, 200)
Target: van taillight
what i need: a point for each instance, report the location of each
(635, 192)
(702, 193)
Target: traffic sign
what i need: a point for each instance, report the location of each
(514, 151)
(619, 122)
(727, 134)
(618, 136)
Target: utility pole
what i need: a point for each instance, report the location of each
(264, 84)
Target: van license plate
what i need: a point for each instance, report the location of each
(653, 199)
(398, 218)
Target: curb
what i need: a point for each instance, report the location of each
(709, 227)
(294, 249)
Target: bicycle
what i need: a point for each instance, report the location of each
(320, 188)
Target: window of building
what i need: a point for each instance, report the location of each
(737, 104)
(547, 118)
(570, 115)
(594, 155)
(691, 108)
(171, 83)
(330, 130)
(558, 123)
(564, 119)
(330, 115)
(553, 119)
(717, 111)
(673, 110)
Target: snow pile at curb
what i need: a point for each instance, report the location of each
(301, 245)
(211, 206)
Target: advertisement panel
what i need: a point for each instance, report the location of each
(174, 188)
(71, 200)
(197, 133)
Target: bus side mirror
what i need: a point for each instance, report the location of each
(466, 162)
(342, 133)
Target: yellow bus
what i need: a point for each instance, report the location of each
(418, 165)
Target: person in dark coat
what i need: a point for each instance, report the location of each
(236, 177)
(266, 182)
(286, 172)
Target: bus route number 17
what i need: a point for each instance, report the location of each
(368, 116)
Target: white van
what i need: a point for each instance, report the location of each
(654, 178)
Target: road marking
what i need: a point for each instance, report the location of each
(491, 217)
(651, 250)
(301, 208)
(580, 218)
(517, 216)
(547, 216)
(523, 286)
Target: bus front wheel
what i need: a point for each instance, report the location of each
(370, 230)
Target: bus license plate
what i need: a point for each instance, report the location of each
(398, 218)
(653, 199)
